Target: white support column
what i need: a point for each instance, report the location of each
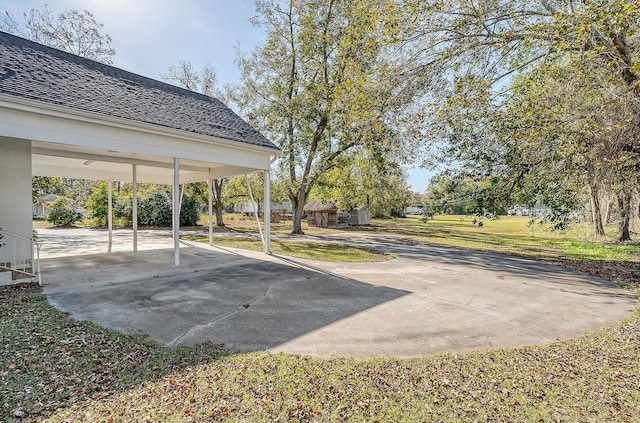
(176, 212)
(134, 207)
(110, 215)
(181, 197)
(267, 212)
(210, 192)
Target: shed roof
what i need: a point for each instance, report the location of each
(36, 72)
(319, 206)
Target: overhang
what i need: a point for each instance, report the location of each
(77, 145)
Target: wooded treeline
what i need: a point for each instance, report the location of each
(536, 102)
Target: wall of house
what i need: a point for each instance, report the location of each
(15, 186)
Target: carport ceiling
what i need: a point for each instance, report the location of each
(51, 159)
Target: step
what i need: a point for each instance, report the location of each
(5, 278)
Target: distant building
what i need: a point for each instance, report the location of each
(321, 215)
(41, 208)
(246, 208)
(360, 216)
(523, 210)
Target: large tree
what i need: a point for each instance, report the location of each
(328, 80)
(185, 75)
(73, 31)
(543, 92)
(361, 179)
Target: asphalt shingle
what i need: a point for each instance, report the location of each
(37, 72)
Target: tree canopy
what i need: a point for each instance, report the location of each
(327, 81)
(73, 31)
(542, 96)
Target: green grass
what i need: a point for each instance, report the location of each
(304, 250)
(508, 235)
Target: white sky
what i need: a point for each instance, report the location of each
(150, 35)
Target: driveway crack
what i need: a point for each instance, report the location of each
(213, 322)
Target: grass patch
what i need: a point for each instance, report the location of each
(512, 235)
(305, 250)
(509, 235)
(592, 378)
(49, 361)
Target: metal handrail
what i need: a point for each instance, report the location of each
(17, 254)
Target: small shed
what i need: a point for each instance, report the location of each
(321, 215)
(359, 216)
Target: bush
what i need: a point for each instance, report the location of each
(154, 209)
(123, 209)
(97, 205)
(189, 213)
(62, 213)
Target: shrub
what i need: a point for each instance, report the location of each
(97, 205)
(189, 213)
(154, 209)
(62, 213)
(123, 209)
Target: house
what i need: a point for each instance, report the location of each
(66, 116)
(321, 215)
(284, 206)
(41, 207)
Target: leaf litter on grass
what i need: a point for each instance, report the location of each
(592, 378)
(50, 361)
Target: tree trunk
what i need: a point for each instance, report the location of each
(624, 203)
(596, 214)
(298, 210)
(218, 209)
(607, 216)
(217, 204)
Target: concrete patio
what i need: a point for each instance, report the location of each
(425, 301)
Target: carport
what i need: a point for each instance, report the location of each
(66, 116)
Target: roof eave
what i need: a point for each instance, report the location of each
(53, 110)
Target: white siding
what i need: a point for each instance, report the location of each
(15, 194)
(15, 186)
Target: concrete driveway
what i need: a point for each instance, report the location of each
(426, 301)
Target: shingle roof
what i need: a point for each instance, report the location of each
(33, 71)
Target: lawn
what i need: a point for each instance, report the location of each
(509, 235)
(52, 366)
(304, 250)
(575, 248)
